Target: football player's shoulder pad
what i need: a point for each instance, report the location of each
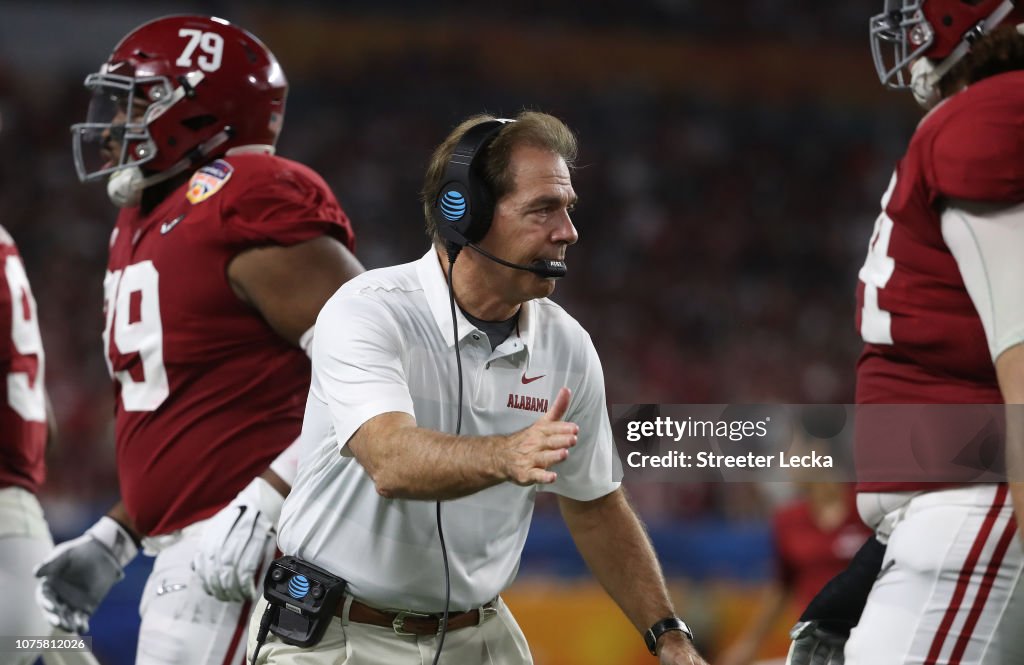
(275, 200)
(972, 145)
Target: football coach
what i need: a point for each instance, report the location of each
(445, 394)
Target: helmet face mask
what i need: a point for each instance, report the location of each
(176, 93)
(939, 30)
(112, 138)
(899, 36)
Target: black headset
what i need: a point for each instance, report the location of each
(464, 206)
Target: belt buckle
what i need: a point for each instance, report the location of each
(487, 612)
(398, 623)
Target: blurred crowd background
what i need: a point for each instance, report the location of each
(732, 157)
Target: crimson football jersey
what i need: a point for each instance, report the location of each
(924, 341)
(207, 394)
(808, 556)
(23, 405)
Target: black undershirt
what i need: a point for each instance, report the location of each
(496, 331)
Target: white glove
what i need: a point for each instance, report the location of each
(814, 645)
(77, 574)
(234, 540)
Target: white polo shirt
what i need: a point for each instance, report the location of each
(383, 343)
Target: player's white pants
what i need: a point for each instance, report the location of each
(181, 624)
(24, 543)
(949, 592)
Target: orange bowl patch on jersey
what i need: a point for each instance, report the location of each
(208, 180)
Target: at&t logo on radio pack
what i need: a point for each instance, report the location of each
(298, 587)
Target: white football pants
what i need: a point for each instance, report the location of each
(24, 543)
(181, 624)
(949, 592)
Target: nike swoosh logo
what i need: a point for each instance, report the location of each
(531, 380)
(167, 226)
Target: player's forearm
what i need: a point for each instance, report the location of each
(1010, 372)
(1015, 459)
(276, 482)
(1017, 494)
(119, 514)
(625, 564)
(418, 463)
(283, 470)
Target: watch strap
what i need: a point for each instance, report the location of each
(653, 633)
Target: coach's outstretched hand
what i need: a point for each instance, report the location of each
(77, 575)
(530, 452)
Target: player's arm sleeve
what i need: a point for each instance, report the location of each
(988, 245)
(839, 604)
(358, 363)
(592, 469)
(282, 207)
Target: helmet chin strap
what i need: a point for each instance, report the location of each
(124, 187)
(925, 74)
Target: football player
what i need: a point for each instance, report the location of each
(25, 424)
(941, 312)
(220, 260)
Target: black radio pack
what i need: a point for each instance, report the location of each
(303, 599)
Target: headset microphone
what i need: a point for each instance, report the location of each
(547, 268)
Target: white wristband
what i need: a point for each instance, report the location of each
(286, 465)
(264, 497)
(116, 539)
(306, 342)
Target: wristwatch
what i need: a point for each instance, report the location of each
(662, 627)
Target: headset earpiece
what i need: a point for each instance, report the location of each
(465, 204)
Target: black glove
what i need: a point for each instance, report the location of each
(825, 625)
(814, 645)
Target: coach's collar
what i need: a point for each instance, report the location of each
(435, 287)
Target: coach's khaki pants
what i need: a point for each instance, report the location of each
(497, 641)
